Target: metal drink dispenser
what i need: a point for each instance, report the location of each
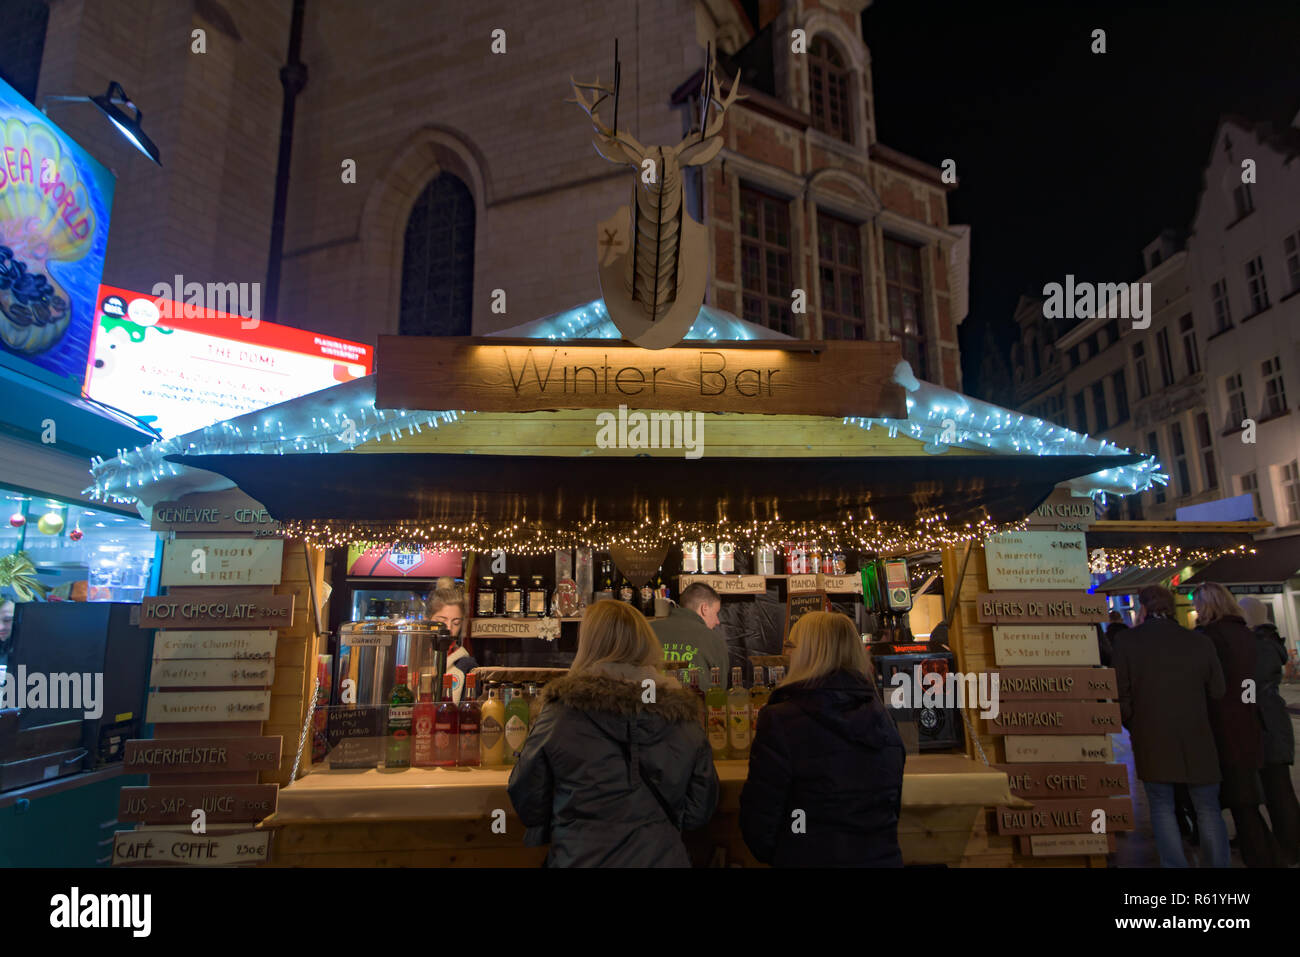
(368, 648)
(422, 645)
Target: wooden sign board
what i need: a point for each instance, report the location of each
(222, 561)
(798, 583)
(193, 755)
(176, 803)
(1029, 684)
(1034, 749)
(841, 584)
(1027, 606)
(727, 584)
(505, 628)
(189, 706)
(796, 606)
(235, 645)
(1065, 845)
(1064, 512)
(212, 672)
(1045, 644)
(1037, 560)
(1066, 780)
(503, 375)
(184, 849)
(1073, 816)
(191, 608)
(228, 511)
(1056, 717)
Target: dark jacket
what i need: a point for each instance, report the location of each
(1238, 728)
(1166, 676)
(588, 766)
(1270, 656)
(685, 637)
(832, 752)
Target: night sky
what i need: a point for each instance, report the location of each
(1069, 161)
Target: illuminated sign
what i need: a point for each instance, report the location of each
(199, 366)
(54, 205)
(380, 561)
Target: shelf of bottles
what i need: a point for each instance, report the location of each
(730, 710)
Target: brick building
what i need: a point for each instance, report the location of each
(473, 173)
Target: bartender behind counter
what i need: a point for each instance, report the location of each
(447, 605)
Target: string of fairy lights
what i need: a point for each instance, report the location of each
(528, 538)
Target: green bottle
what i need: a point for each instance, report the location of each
(516, 725)
(401, 704)
(738, 717)
(715, 700)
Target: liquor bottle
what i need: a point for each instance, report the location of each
(738, 718)
(607, 576)
(660, 586)
(708, 558)
(446, 727)
(492, 731)
(516, 725)
(537, 604)
(625, 590)
(514, 598)
(534, 697)
(400, 705)
(776, 674)
(690, 558)
(815, 561)
(758, 696)
(726, 558)
(467, 743)
(487, 598)
(715, 700)
(423, 717)
(648, 599)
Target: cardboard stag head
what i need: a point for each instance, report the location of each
(653, 257)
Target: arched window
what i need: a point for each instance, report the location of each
(438, 261)
(828, 89)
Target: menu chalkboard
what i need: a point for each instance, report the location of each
(356, 736)
(796, 606)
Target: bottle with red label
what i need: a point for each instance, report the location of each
(467, 742)
(423, 716)
(445, 728)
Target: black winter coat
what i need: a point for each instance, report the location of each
(831, 751)
(1279, 736)
(1167, 678)
(1238, 727)
(591, 764)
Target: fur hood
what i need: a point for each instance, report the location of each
(617, 690)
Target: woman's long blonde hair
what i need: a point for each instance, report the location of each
(824, 642)
(614, 632)
(1213, 602)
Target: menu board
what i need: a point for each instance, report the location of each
(356, 736)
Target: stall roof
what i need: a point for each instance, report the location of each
(1011, 447)
(1275, 561)
(1132, 580)
(591, 321)
(548, 490)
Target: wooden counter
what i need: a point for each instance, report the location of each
(444, 817)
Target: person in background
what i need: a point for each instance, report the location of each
(1165, 674)
(7, 609)
(689, 633)
(1106, 641)
(608, 778)
(1238, 729)
(1279, 736)
(447, 605)
(825, 746)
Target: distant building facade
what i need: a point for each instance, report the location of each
(473, 174)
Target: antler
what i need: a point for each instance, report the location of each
(704, 142)
(592, 106)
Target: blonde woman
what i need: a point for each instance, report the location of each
(1238, 726)
(447, 605)
(825, 747)
(617, 763)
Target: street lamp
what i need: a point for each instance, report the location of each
(111, 103)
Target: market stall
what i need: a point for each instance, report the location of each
(517, 449)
